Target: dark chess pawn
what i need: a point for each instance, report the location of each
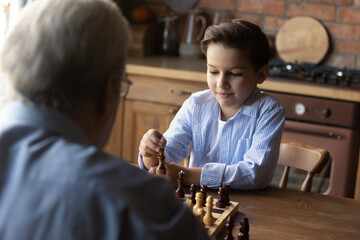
(244, 229)
(226, 194)
(204, 189)
(180, 193)
(229, 228)
(242, 237)
(193, 189)
(220, 203)
(161, 170)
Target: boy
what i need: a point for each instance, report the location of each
(234, 128)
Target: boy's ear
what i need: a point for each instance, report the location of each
(263, 73)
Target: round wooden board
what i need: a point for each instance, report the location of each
(302, 39)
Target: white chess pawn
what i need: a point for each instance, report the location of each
(198, 205)
(208, 218)
(188, 202)
(201, 213)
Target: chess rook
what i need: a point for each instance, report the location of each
(161, 170)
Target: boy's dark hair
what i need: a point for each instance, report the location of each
(242, 35)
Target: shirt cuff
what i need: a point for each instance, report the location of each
(212, 174)
(141, 163)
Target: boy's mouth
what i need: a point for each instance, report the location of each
(224, 94)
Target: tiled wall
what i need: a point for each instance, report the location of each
(340, 17)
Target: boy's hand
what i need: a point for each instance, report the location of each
(192, 175)
(172, 170)
(151, 143)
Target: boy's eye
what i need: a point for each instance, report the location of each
(236, 74)
(213, 72)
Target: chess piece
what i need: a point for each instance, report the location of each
(200, 213)
(226, 194)
(188, 202)
(198, 205)
(193, 189)
(229, 227)
(241, 237)
(180, 193)
(220, 203)
(161, 170)
(208, 218)
(244, 229)
(203, 190)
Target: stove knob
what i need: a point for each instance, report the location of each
(299, 109)
(325, 112)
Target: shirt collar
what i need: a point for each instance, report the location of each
(17, 112)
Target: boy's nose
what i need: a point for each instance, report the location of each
(222, 81)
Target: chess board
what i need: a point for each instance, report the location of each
(220, 215)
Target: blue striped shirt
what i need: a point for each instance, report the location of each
(249, 142)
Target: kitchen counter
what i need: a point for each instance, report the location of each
(195, 70)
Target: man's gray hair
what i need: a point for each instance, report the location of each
(60, 52)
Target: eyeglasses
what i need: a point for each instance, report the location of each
(125, 84)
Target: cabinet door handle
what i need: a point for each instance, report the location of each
(180, 92)
(173, 110)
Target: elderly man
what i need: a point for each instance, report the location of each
(65, 61)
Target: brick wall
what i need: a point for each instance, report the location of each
(340, 17)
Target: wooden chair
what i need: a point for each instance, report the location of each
(301, 156)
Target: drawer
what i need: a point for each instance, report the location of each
(162, 90)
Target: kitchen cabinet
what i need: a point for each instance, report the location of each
(139, 118)
(152, 102)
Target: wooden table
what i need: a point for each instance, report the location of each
(287, 214)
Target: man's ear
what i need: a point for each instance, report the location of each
(262, 74)
(109, 95)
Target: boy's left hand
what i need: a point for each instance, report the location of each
(192, 175)
(172, 170)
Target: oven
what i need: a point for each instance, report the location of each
(327, 123)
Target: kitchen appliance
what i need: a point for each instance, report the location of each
(171, 38)
(327, 123)
(317, 74)
(193, 32)
(181, 6)
(170, 35)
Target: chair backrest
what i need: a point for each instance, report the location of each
(301, 156)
